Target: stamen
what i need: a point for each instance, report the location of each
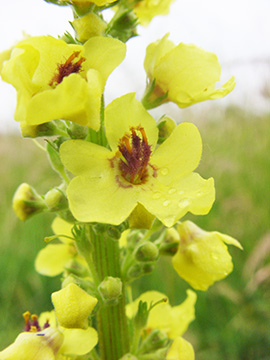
(135, 154)
(69, 67)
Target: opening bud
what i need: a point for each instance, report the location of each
(110, 289)
(27, 202)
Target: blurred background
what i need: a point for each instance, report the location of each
(232, 318)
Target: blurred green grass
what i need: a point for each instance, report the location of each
(232, 321)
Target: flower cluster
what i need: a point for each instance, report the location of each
(127, 181)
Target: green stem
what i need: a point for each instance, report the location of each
(112, 321)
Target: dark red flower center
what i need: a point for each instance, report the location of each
(69, 67)
(134, 156)
(32, 324)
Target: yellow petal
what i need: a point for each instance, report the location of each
(94, 199)
(84, 158)
(73, 306)
(51, 260)
(125, 112)
(154, 53)
(140, 218)
(174, 320)
(202, 256)
(186, 72)
(171, 202)
(146, 10)
(79, 341)
(73, 99)
(62, 227)
(182, 315)
(34, 346)
(104, 54)
(180, 350)
(178, 155)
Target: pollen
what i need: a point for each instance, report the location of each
(69, 67)
(135, 154)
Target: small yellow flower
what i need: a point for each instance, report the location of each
(186, 72)
(75, 341)
(55, 80)
(174, 320)
(52, 259)
(202, 257)
(51, 343)
(146, 10)
(73, 306)
(42, 345)
(180, 350)
(110, 183)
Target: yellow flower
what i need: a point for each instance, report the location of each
(75, 341)
(110, 183)
(202, 257)
(55, 80)
(186, 72)
(146, 10)
(180, 350)
(173, 320)
(73, 306)
(51, 343)
(52, 259)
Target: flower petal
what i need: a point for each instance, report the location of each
(104, 54)
(78, 341)
(180, 350)
(182, 315)
(97, 198)
(179, 155)
(202, 257)
(82, 157)
(73, 99)
(73, 306)
(62, 227)
(125, 112)
(51, 260)
(169, 203)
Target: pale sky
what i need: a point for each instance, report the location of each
(238, 31)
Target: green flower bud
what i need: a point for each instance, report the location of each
(89, 25)
(33, 131)
(147, 252)
(170, 243)
(56, 200)
(166, 125)
(110, 289)
(155, 340)
(26, 202)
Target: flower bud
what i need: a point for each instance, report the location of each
(155, 340)
(147, 252)
(33, 131)
(26, 202)
(56, 200)
(170, 243)
(89, 25)
(110, 289)
(73, 306)
(166, 125)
